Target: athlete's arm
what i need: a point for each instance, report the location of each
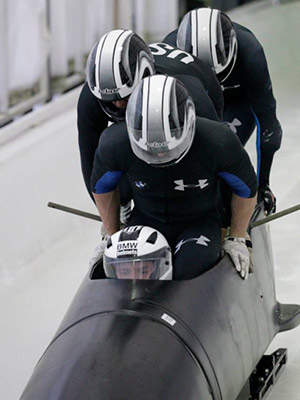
(108, 205)
(241, 212)
(258, 85)
(91, 121)
(107, 174)
(237, 171)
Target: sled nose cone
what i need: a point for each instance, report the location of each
(118, 357)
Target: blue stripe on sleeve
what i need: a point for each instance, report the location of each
(108, 182)
(237, 185)
(257, 144)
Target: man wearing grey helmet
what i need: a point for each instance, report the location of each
(238, 59)
(174, 162)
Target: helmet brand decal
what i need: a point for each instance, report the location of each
(127, 249)
(140, 184)
(109, 91)
(168, 319)
(157, 144)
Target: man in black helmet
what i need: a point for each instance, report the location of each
(239, 61)
(174, 162)
(115, 65)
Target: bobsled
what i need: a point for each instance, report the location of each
(198, 339)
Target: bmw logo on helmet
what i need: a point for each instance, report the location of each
(140, 184)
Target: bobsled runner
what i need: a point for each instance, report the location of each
(199, 339)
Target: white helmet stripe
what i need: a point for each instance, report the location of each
(168, 88)
(98, 53)
(194, 33)
(145, 109)
(117, 56)
(204, 45)
(107, 70)
(214, 39)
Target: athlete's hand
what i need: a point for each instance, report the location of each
(99, 251)
(238, 250)
(265, 194)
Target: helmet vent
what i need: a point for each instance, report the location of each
(109, 243)
(152, 238)
(129, 235)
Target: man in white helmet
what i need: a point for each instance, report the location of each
(138, 252)
(238, 59)
(174, 162)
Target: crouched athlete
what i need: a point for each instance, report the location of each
(116, 64)
(174, 162)
(238, 59)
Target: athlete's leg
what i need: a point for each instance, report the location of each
(197, 248)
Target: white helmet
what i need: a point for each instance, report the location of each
(209, 34)
(138, 252)
(160, 119)
(117, 63)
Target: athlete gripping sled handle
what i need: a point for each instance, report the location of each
(97, 218)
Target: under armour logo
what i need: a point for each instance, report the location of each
(232, 125)
(202, 183)
(202, 240)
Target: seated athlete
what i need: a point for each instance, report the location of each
(138, 252)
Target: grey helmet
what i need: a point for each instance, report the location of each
(138, 252)
(117, 63)
(209, 34)
(160, 120)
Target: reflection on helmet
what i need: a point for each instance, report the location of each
(138, 252)
(160, 120)
(209, 34)
(116, 64)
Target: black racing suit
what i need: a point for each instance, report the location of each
(200, 81)
(181, 200)
(249, 101)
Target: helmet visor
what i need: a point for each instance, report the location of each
(156, 266)
(159, 152)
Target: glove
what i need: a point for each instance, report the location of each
(99, 251)
(236, 248)
(266, 196)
